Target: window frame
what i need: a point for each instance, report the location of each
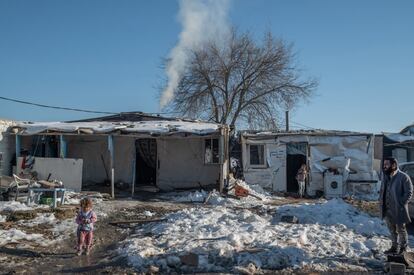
(257, 166)
(211, 148)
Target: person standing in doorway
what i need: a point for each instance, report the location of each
(301, 178)
(395, 193)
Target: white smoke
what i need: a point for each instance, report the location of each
(201, 20)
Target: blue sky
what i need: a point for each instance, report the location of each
(106, 55)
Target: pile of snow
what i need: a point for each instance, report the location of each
(72, 197)
(62, 229)
(335, 211)
(59, 229)
(148, 213)
(41, 218)
(10, 206)
(259, 195)
(195, 197)
(14, 235)
(330, 236)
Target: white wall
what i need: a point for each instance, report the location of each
(273, 176)
(182, 164)
(69, 171)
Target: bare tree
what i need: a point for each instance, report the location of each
(239, 81)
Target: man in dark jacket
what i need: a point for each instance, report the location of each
(396, 191)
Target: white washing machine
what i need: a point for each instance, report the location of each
(333, 186)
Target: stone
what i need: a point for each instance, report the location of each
(173, 261)
(153, 269)
(190, 259)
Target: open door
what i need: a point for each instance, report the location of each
(296, 155)
(146, 162)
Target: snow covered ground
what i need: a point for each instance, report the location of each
(330, 236)
(226, 234)
(18, 233)
(44, 229)
(216, 199)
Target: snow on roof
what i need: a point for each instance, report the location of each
(316, 132)
(160, 127)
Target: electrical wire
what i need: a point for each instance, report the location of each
(108, 113)
(305, 126)
(75, 109)
(55, 107)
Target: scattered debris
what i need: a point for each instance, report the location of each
(136, 221)
(395, 268)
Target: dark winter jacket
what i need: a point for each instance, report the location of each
(401, 190)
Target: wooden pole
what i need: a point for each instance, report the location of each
(224, 154)
(134, 168)
(111, 164)
(18, 142)
(63, 147)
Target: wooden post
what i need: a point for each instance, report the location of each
(224, 154)
(18, 145)
(111, 164)
(63, 147)
(134, 168)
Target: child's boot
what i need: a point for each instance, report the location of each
(87, 250)
(79, 252)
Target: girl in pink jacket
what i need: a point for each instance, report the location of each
(85, 220)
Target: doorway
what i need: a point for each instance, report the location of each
(296, 155)
(146, 161)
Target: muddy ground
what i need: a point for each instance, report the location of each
(103, 259)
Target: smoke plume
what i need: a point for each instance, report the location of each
(201, 20)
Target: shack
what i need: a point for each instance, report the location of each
(399, 145)
(338, 161)
(133, 149)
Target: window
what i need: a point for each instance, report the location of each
(257, 155)
(211, 151)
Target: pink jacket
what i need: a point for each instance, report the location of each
(85, 220)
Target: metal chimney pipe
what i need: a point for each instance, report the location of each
(287, 120)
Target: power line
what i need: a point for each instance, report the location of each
(75, 109)
(55, 107)
(102, 112)
(297, 123)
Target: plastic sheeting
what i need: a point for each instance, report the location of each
(351, 155)
(399, 137)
